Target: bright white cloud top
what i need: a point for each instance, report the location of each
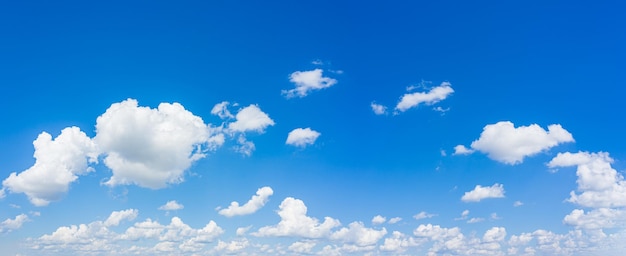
(300, 137)
(295, 222)
(251, 119)
(508, 144)
(58, 163)
(254, 204)
(307, 81)
(149, 147)
(479, 193)
(433, 96)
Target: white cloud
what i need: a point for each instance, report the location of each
(307, 81)
(244, 146)
(600, 185)
(378, 109)
(475, 220)
(433, 96)
(462, 150)
(13, 224)
(596, 219)
(2, 193)
(254, 204)
(304, 247)
(171, 206)
(294, 222)
(505, 143)
(423, 215)
(150, 147)
(117, 216)
(480, 193)
(232, 247)
(518, 204)
(302, 137)
(378, 220)
(221, 110)
(495, 234)
(398, 243)
(394, 220)
(58, 163)
(242, 230)
(251, 118)
(356, 233)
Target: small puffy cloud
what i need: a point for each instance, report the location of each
(464, 215)
(356, 233)
(254, 204)
(479, 193)
(58, 162)
(302, 137)
(221, 110)
(117, 216)
(378, 109)
(394, 220)
(398, 243)
(251, 118)
(505, 143)
(150, 147)
(171, 206)
(495, 234)
(294, 222)
(242, 230)
(596, 219)
(304, 247)
(423, 215)
(13, 224)
(378, 220)
(307, 81)
(462, 150)
(518, 204)
(232, 247)
(433, 96)
(599, 184)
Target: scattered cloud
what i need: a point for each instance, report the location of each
(307, 81)
(302, 137)
(377, 220)
(58, 162)
(599, 184)
(518, 204)
(9, 225)
(423, 215)
(505, 143)
(221, 110)
(242, 230)
(462, 150)
(479, 193)
(117, 216)
(244, 146)
(399, 243)
(378, 109)
(251, 118)
(150, 147)
(294, 222)
(254, 204)
(464, 215)
(475, 220)
(433, 96)
(171, 206)
(394, 220)
(356, 233)
(303, 247)
(600, 218)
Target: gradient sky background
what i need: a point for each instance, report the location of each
(439, 128)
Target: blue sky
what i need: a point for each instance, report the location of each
(302, 128)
